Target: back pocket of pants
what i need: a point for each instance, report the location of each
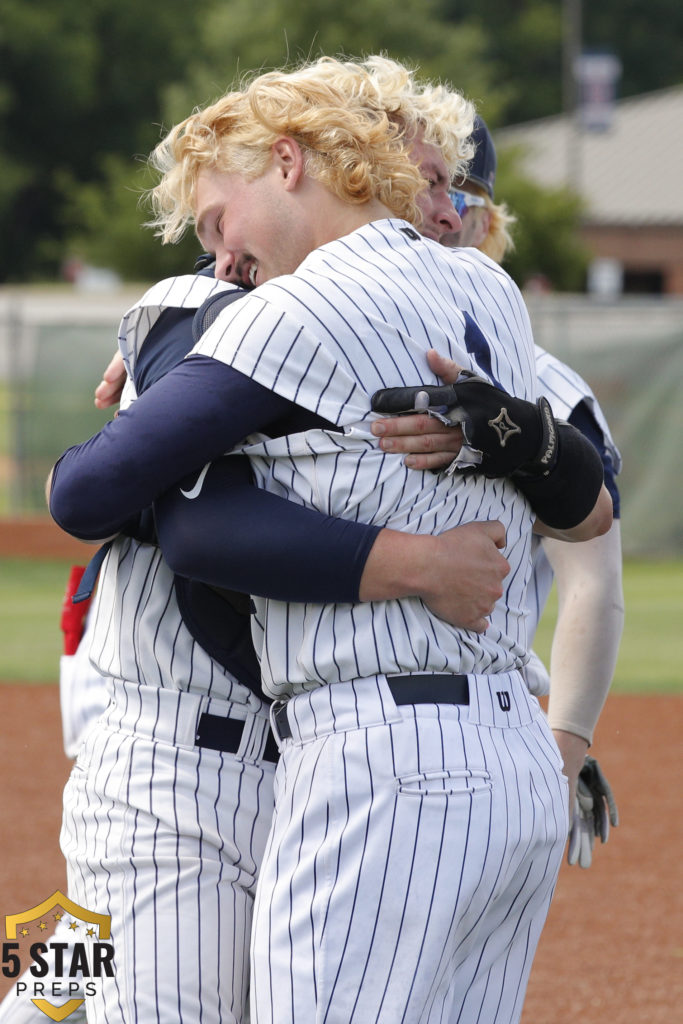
(441, 782)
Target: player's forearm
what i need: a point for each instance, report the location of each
(236, 536)
(398, 565)
(573, 750)
(588, 630)
(233, 535)
(458, 574)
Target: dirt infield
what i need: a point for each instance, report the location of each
(612, 950)
(40, 537)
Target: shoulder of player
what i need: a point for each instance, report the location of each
(181, 291)
(560, 382)
(567, 391)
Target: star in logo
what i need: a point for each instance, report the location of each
(73, 926)
(24, 932)
(504, 427)
(42, 926)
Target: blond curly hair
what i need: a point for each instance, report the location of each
(354, 121)
(439, 114)
(498, 241)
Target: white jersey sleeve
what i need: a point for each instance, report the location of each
(565, 389)
(186, 292)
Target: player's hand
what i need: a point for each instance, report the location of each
(468, 573)
(447, 369)
(108, 391)
(595, 809)
(429, 444)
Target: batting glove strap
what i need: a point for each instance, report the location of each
(545, 459)
(564, 497)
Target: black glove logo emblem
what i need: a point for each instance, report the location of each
(504, 427)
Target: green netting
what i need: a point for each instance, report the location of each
(632, 356)
(640, 388)
(51, 406)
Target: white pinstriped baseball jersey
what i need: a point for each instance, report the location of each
(360, 314)
(565, 389)
(160, 832)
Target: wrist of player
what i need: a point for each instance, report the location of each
(398, 565)
(565, 496)
(573, 750)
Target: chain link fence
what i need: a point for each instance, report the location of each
(55, 344)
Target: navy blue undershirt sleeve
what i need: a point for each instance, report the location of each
(196, 412)
(583, 419)
(171, 431)
(233, 535)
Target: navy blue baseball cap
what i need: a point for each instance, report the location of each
(482, 168)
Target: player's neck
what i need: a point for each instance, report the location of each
(347, 218)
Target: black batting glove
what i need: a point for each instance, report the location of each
(504, 436)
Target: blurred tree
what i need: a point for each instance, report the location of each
(105, 221)
(647, 37)
(77, 81)
(81, 84)
(287, 31)
(548, 247)
(234, 41)
(525, 45)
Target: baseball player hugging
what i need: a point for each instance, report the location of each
(421, 809)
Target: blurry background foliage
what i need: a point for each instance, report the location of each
(85, 91)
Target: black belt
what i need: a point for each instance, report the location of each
(417, 689)
(225, 734)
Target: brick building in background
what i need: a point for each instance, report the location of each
(630, 177)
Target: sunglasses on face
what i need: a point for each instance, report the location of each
(463, 200)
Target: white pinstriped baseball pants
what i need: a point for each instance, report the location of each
(167, 838)
(412, 860)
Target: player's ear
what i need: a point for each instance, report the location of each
(289, 160)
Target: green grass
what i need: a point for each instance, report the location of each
(651, 651)
(650, 660)
(4, 449)
(30, 604)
